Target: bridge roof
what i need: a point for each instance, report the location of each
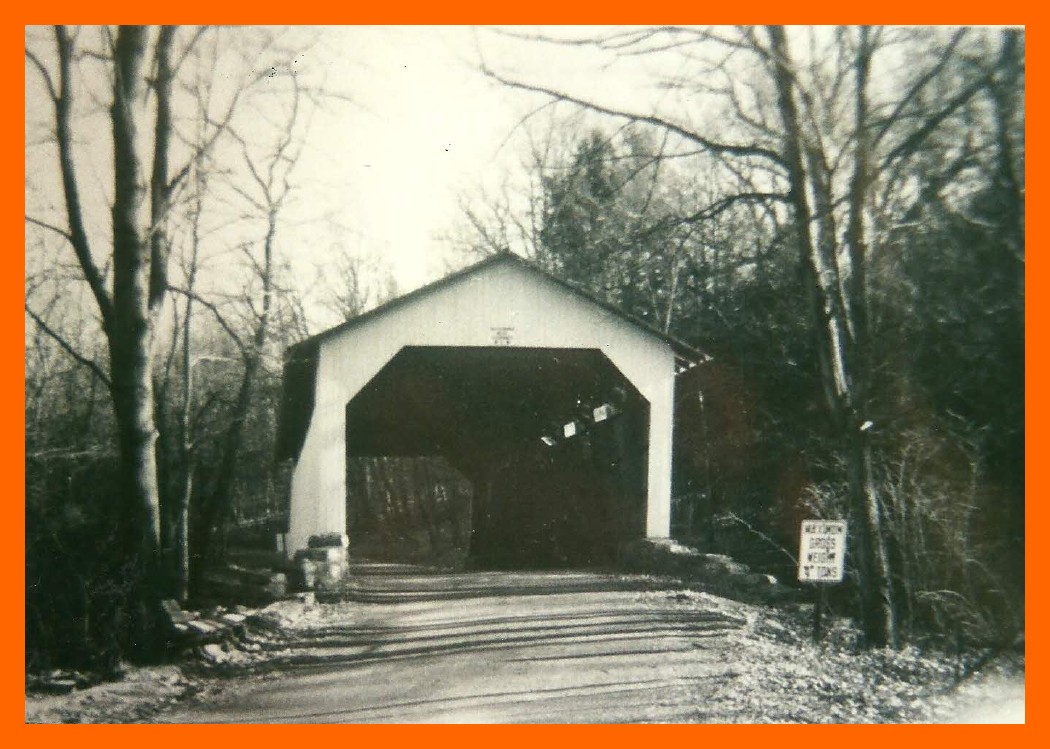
(302, 358)
(681, 348)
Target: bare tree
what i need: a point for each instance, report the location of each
(130, 309)
(356, 282)
(265, 193)
(806, 131)
(126, 267)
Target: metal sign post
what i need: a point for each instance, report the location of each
(821, 559)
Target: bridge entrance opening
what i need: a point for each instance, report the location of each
(552, 441)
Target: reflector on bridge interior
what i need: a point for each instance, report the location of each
(548, 441)
(603, 412)
(572, 429)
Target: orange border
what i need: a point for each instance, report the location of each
(478, 11)
(935, 12)
(1036, 402)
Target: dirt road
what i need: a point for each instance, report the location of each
(490, 647)
(410, 647)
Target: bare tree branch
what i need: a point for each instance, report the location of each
(942, 61)
(67, 347)
(911, 144)
(50, 227)
(714, 209)
(220, 127)
(44, 73)
(160, 187)
(708, 144)
(733, 517)
(214, 309)
(77, 233)
(197, 34)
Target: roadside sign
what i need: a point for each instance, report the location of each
(822, 551)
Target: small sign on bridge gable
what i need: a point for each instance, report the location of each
(822, 551)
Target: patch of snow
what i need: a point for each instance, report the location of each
(139, 694)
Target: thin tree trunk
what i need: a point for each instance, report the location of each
(220, 504)
(1004, 90)
(187, 445)
(181, 514)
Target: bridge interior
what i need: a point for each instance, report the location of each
(553, 441)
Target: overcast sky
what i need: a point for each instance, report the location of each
(381, 174)
(425, 125)
(429, 127)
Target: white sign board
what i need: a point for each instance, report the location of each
(822, 551)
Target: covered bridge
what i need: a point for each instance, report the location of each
(557, 406)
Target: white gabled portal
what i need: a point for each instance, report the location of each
(502, 301)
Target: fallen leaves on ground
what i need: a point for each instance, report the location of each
(779, 675)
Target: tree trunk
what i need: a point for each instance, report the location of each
(128, 317)
(831, 304)
(130, 334)
(878, 610)
(879, 607)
